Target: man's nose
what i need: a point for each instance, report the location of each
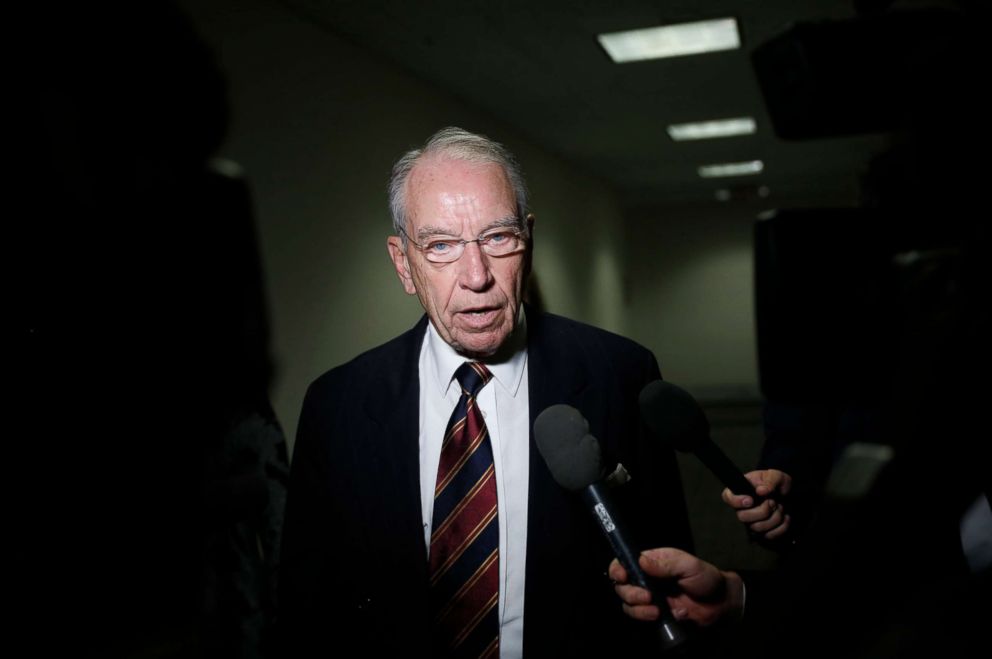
(474, 273)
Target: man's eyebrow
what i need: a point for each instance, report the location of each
(510, 221)
(430, 232)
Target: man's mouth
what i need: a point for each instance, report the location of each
(479, 317)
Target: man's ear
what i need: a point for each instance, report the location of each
(395, 246)
(529, 255)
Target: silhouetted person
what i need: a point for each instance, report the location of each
(886, 567)
(145, 445)
(891, 267)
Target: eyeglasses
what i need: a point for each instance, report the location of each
(496, 242)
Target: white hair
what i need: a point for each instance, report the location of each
(456, 144)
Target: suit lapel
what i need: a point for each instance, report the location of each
(555, 376)
(393, 414)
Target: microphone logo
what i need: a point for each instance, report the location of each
(604, 518)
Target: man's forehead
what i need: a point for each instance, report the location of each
(440, 169)
(459, 187)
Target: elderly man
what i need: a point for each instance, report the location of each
(421, 520)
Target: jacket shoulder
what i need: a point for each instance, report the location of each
(370, 365)
(587, 337)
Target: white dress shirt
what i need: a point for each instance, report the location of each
(504, 405)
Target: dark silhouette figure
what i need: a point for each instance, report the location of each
(148, 467)
(881, 570)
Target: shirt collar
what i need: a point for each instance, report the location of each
(508, 370)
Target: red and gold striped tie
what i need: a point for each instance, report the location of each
(464, 554)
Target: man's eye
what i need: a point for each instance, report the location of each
(440, 246)
(498, 237)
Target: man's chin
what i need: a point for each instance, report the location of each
(477, 345)
(476, 351)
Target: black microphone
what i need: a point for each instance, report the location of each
(674, 415)
(573, 456)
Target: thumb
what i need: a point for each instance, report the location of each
(665, 562)
(736, 501)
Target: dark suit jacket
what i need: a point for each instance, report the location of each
(354, 563)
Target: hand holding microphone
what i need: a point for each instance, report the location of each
(674, 415)
(703, 593)
(574, 459)
(768, 518)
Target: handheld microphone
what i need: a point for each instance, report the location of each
(574, 458)
(674, 415)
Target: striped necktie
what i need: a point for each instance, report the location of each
(464, 553)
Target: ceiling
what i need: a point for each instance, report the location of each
(538, 67)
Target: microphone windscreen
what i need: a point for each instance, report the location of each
(674, 415)
(571, 453)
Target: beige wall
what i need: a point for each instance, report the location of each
(691, 297)
(316, 125)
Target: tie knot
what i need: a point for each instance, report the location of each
(472, 376)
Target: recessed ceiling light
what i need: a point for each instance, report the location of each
(703, 130)
(732, 169)
(671, 40)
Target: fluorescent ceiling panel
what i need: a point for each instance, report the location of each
(732, 169)
(704, 130)
(671, 40)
